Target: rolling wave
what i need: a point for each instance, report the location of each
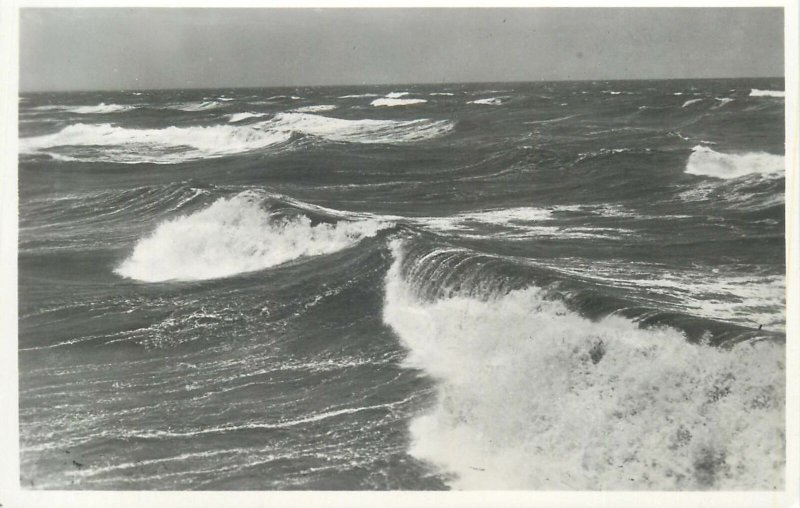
(235, 235)
(181, 144)
(108, 143)
(490, 101)
(532, 395)
(706, 162)
(238, 117)
(767, 93)
(389, 102)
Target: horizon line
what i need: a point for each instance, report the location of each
(440, 83)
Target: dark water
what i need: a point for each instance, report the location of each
(541, 286)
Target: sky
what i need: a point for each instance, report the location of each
(135, 48)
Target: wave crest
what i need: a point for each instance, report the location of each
(236, 235)
(755, 92)
(181, 144)
(529, 393)
(706, 162)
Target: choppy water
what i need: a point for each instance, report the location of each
(538, 286)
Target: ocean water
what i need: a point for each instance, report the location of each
(573, 285)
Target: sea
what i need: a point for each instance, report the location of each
(538, 286)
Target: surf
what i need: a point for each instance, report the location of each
(531, 395)
(236, 235)
(706, 162)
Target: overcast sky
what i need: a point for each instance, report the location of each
(119, 48)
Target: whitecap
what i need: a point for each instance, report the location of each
(529, 393)
(396, 102)
(232, 236)
(315, 109)
(706, 162)
(767, 93)
(489, 101)
(238, 117)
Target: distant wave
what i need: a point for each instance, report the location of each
(529, 392)
(690, 102)
(396, 102)
(362, 131)
(238, 117)
(440, 93)
(198, 106)
(359, 95)
(490, 101)
(232, 236)
(315, 109)
(767, 93)
(181, 144)
(160, 146)
(101, 108)
(706, 162)
(396, 95)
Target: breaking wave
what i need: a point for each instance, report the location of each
(238, 117)
(108, 143)
(236, 235)
(396, 102)
(706, 162)
(755, 92)
(490, 101)
(690, 102)
(315, 109)
(198, 106)
(532, 395)
(180, 144)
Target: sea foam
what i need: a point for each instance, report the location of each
(490, 101)
(755, 92)
(232, 236)
(160, 146)
(181, 144)
(396, 102)
(706, 162)
(531, 395)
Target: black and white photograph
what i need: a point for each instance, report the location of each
(402, 249)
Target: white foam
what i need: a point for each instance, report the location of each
(396, 95)
(181, 144)
(396, 102)
(101, 108)
(440, 93)
(238, 117)
(705, 161)
(490, 101)
(532, 396)
(160, 146)
(361, 131)
(358, 96)
(232, 236)
(198, 106)
(690, 102)
(767, 93)
(315, 109)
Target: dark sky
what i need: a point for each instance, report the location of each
(121, 48)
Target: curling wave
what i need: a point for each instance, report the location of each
(236, 235)
(534, 396)
(706, 162)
